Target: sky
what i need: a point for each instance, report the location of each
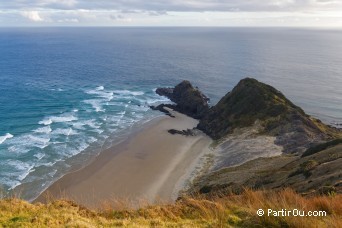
(232, 13)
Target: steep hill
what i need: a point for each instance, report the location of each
(252, 101)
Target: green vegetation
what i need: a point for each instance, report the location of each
(305, 168)
(224, 211)
(249, 101)
(321, 147)
(319, 173)
(252, 102)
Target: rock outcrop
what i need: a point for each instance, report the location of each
(247, 123)
(188, 132)
(252, 101)
(189, 100)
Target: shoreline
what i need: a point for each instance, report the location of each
(151, 165)
(28, 191)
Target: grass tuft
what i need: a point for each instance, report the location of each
(220, 211)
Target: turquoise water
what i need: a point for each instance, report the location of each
(68, 93)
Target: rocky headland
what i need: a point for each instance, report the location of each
(251, 103)
(260, 138)
(188, 100)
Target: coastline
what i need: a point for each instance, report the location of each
(151, 165)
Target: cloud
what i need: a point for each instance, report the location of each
(120, 18)
(68, 20)
(157, 13)
(171, 12)
(177, 5)
(116, 17)
(32, 16)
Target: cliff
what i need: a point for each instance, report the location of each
(252, 101)
(252, 125)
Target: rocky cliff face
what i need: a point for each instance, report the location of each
(252, 101)
(248, 122)
(317, 172)
(189, 100)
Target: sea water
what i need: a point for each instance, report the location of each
(68, 93)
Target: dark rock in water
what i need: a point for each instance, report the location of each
(252, 101)
(167, 92)
(189, 100)
(187, 132)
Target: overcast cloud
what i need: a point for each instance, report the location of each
(172, 12)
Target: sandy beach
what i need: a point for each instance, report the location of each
(151, 165)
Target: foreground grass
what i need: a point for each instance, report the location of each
(226, 211)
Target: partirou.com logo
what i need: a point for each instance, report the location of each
(292, 212)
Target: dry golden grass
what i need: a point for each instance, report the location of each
(223, 211)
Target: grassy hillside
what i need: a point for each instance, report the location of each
(226, 211)
(317, 171)
(252, 101)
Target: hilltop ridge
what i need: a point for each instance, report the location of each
(245, 124)
(252, 102)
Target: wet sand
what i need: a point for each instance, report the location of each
(148, 166)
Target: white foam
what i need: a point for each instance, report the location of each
(82, 146)
(98, 131)
(46, 122)
(49, 164)
(26, 173)
(51, 174)
(25, 143)
(157, 100)
(12, 183)
(39, 156)
(100, 92)
(122, 113)
(92, 123)
(58, 119)
(79, 125)
(91, 140)
(5, 137)
(45, 130)
(117, 103)
(96, 104)
(128, 92)
(76, 150)
(64, 131)
(22, 170)
(39, 141)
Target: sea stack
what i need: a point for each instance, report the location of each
(189, 100)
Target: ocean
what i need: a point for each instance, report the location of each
(68, 93)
